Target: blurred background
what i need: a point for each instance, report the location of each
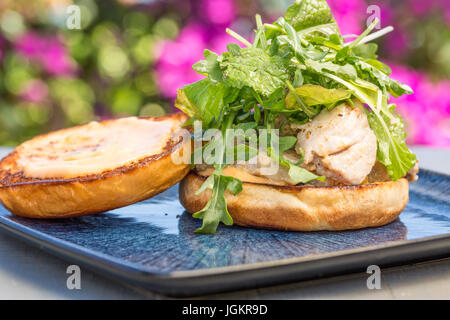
(130, 56)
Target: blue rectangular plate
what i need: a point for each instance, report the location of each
(152, 244)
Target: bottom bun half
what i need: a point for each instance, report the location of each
(305, 208)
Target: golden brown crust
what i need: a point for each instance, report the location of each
(62, 198)
(305, 208)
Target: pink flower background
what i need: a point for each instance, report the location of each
(426, 112)
(51, 78)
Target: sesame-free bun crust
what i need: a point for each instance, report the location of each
(56, 197)
(305, 208)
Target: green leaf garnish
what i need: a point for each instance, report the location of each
(254, 68)
(301, 175)
(210, 66)
(305, 14)
(203, 99)
(216, 210)
(313, 95)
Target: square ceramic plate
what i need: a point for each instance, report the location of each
(152, 244)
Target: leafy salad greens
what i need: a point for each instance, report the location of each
(296, 67)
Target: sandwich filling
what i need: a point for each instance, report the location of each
(337, 144)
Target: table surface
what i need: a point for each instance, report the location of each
(27, 272)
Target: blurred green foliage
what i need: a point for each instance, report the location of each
(111, 59)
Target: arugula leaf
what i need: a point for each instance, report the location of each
(216, 210)
(346, 71)
(392, 150)
(275, 101)
(292, 38)
(394, 87)
(285, 143)
(379, 65)
(203, 99)
(367, 51)
(298, 78)
(254, 68)
(246, 125)
(234, 49)
(301, 175)
(308, 13)
(210, 66)
(296, 174)
(314, 95)
(231, 95)
(326, 34)
(299, 104)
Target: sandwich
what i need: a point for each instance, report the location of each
(292, 131)
(319, 103)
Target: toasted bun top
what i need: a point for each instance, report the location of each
(94, 147)
(94, 168)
